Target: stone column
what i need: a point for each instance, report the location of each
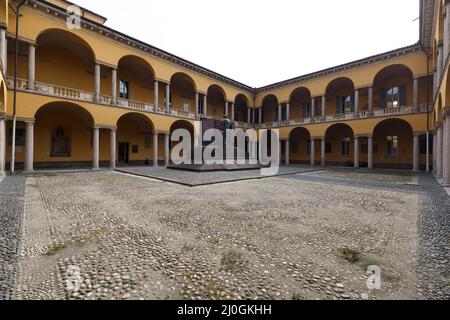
(370, 152)
(416, 150)
(155, 149)
(446, 155)
(253, 116)
(434, 152)
(416, 94)
(313, 109)
(324, 107)
(226, 108)
(288, 112)
(205, 105)
(3, 50)
(31, 66)
(114, 86)
(2, 143)
(323, 143)
(249, 116)
(97, 83)
(260, 115)
(370, 107)
(29, 146)
(356, 151)
(96, 149)
(112, 149)
(197, 102)
(166, 149)
(447, 29)
(287, 151)
(440, 65)
(156, 95)
(439, 152)
(168, 98)
(357, 103)
(280, 114)
(233, 118)
(435, 80)
(313, 151)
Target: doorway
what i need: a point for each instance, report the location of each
(124, 151)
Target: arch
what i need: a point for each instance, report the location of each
(392, 70)
(135, 79)
(182, 124)
(299, 100)
(394, 140)
(136, 63)
(183, 89)
(63, 136)
(241, 104)
(300, 145)
(216, 101)
(269, 108)
(68, 40)
(339, 139)
(145, 123)
(340, 86)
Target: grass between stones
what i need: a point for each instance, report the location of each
(351, 255)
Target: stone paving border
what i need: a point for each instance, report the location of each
(12, 191)
(196, 179)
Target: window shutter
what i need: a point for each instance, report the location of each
(383, 102)
(403, 97)
(338, 105)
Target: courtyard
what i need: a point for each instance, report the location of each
(306, 234)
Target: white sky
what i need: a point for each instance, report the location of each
(259, 42)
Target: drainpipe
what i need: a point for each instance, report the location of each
(16, 56)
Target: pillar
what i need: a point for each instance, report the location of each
(440, 64)
(357, 102)
(416, 150)
(97, 83)
(168, 98)
(370, 102)
(226, 108)
(114, 86)
(3, 50)
(434, 152)
(197, 104)
(323, 151)
(29, 147)
(205, 105)
(260, 115)
(288, 112)
(31, 66)
(416, 94)
(313, 151)
(324, 106)
(166, 149)
(253, 116)
(370, 152)
(2, 143)
(96, 149)
(287, 151)
(313, 109)
(155, 149)
(447, 29)
(280, 114)
(356, 152)
(439, 152)
(435, 80)
(446, 154)
(249, 116)
(156, 94)
(112, 149)
(233, 118)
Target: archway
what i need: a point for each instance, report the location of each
(63, 137)
(135, 143)
(270, 109)
(300, 146)
(135, 80)
(216, 101)
(183, 90)
(393, 144)
(339, 145)
(393, 88)
(300, 103)
(64, 59)
(340, 97)
(241, 108)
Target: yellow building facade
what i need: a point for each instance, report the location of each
(87, 95)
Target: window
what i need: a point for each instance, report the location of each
(393, 97)
(307, 110)
(20, 137)
(328, 148)
(423, 145)
(308, 147)
(124, 89)
(392, 146)
(200, 106)
(345, 147)
(346, 104)
(60, 144)
(134, 148)
(186, 107)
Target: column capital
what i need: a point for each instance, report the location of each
(418, 134)
(103, 126)
(30, 122)
(363, 135)
(316, 138)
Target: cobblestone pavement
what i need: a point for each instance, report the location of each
(206, 178)
(12, 191)
(111, 236)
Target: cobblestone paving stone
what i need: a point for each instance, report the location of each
(12, 191)
(125, 237)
